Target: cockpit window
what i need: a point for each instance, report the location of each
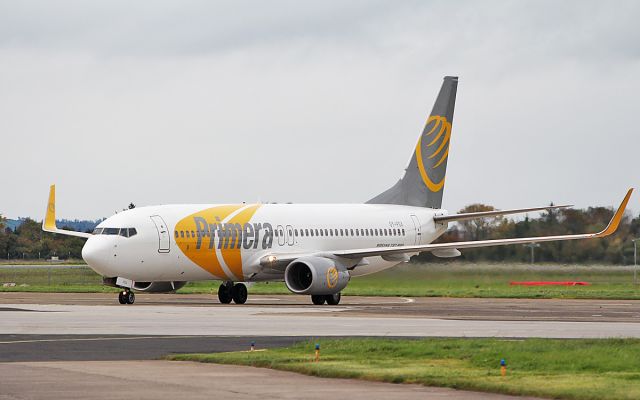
(125, 232)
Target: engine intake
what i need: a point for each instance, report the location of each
(315, 276)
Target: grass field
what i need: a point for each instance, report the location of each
(449, 280)
(565, 369)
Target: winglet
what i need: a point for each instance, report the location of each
(617, 217)
(49, 222)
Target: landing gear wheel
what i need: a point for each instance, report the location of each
(333, 299)
(126, 297)
(318, 299)
(239, 293)
(224, 294)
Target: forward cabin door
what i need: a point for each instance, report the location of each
(164, 240)
(418, 229)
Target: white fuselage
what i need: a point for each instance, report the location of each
(226, 242)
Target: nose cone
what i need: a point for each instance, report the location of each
(97, 253)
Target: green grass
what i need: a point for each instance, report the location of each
(565, 369)
(71, 261)
(435, 280)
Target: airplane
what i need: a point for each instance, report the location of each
(314, 248)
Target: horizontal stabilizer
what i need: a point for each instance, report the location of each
(496, 213)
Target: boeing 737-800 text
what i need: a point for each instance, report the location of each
(315, 248)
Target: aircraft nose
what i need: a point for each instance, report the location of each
(97, 254)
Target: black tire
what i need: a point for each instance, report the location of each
(121, 298)
(318, 299)
(239, 293)
(131, 298)
(333, 299)
(224, 294)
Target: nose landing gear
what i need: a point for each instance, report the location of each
(126, 296)
(228, 291)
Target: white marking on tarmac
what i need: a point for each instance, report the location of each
(408, 300)
(103, 339)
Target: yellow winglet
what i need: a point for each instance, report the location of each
(617, 217)
(49, 222)
(50, 216)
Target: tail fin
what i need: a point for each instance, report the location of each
(423, 182)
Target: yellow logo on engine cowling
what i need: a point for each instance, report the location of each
(442, 151)
(332, 277)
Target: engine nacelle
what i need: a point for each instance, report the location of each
(315, 275)
(158, 287)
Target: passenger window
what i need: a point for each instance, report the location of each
(181, 234)
(176, 233)
(187, 233)
(296, 232)
(192, 234)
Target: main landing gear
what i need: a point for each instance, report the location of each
(331, 299)
(228, 291)
(126, 296)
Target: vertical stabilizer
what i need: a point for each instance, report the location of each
(423, 182)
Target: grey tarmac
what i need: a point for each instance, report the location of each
(159, 380)
(166, 315)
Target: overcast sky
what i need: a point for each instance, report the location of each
(209, 102)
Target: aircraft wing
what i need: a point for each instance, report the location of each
(49, 222)
(611, 228)
(279, 260)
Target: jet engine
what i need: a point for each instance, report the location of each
(315, 276)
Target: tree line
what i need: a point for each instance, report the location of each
(29, 241)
